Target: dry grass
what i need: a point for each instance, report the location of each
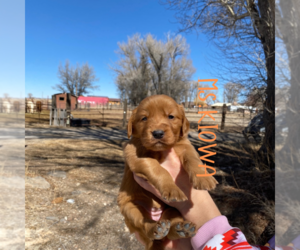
(41, 118)
(114, 118)
(246, 194)
(94, 172)
(12, 120)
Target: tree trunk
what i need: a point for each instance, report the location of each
(266, 27)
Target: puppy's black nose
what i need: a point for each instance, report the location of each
(158, 134)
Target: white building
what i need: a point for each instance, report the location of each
(220, 105)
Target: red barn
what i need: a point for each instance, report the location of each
(92, 101)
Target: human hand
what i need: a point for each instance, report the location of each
(173, 165)
(199, 208)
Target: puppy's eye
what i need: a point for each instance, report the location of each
(144, 119)
(171, 117)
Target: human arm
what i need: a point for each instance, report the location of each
(213, 228)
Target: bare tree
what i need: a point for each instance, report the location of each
(132, 70)
(148, 66)
(256, 98)
(232, 92)
(172, 69)
(211, 99)
(244, 33)
(193, 93)
(77, 81)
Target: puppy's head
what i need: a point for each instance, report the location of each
(159, 122)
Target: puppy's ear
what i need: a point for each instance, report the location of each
(185, 123)
(130, 122)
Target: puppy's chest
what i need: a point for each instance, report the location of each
(159, 156)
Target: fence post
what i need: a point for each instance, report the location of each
(50, 117)
(223, 116)
(103, 113)
(125, 113)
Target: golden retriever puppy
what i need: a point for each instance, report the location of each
(157, 125)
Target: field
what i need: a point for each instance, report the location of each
(114, 117)
(72, 186)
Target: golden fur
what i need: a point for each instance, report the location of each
(143, 155)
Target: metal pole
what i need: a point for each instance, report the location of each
(124, 113)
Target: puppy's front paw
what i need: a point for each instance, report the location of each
(185, 229)
(203, 182)
(161, 229)
(173, 194)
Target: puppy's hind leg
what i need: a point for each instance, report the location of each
(179, 227)
(138, 218)
(157, 230)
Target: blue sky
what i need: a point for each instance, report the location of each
(88, 31)
(12, 49)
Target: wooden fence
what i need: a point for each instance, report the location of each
(118, 116)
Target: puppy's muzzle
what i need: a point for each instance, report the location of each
(158, 134)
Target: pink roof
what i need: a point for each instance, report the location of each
(93, 100)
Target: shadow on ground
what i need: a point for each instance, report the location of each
(93, 172)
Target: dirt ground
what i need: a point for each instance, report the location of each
(93, 172)
(88, 173)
